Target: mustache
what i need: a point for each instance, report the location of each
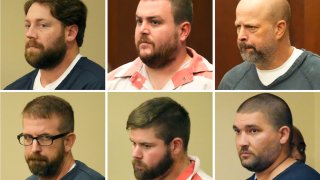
(37, 157)
(33, 43)
(243, 46)
(138, 163)
(144, 39)
(245, 149)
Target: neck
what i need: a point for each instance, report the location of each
(50, 75)
(64, 169)
(276, 168)
(159, 77)
(281, 55)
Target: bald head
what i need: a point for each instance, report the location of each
(273, 10)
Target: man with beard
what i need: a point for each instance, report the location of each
(271, 63)
(48, 137)
(164, 62)
(54, 32)
(263, 127)
(159, 130)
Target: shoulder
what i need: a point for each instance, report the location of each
(311, 61)
(85, 75)
(23, 83)
(88, 66)
(299, 170)
(119, 79)
(125, 70)
(232, 77)
(308, 66)
(82, 171)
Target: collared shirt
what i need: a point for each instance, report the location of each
(52, 86)
(195, 74)
(193, 171)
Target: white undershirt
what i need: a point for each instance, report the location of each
(52, 86)
(74, 165)
(268, 76)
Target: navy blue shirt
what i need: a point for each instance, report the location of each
(79, 172)
(297, 171)
(85, 75)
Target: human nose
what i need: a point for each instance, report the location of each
(35, 146)
(242, 35)
(31, 32)
(242, 139)
(144, 28)
(136, 152)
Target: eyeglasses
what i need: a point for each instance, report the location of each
(43, 140)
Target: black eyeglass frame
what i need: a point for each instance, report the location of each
(52, 138)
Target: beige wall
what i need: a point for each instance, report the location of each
(89, 129)
(199, 106)
(304, 108)
(14, 65)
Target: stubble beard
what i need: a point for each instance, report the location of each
(46, 58)
(259, 163)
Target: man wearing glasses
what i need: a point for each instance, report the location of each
(48, 137)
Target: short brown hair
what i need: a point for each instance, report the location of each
(48, 106)
(69, 12)
(166, 116)
(182, 10)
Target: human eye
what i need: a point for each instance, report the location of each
(44, 139)
(146, 146)
(27, 137)
(253, 131)
(252, 28)
(26, 25)
(138, 21)
(236, 130)
(43, 25)
(155, 22)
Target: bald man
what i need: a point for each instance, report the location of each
(270, 61)
(298, 146)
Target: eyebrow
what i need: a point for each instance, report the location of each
(246, 126)
(148, 17)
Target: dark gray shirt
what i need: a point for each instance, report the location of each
(304, 74)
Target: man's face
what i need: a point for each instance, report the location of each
(151, 157)
(43, 160)
(156, 35)
(256, 33)
(257, 141)
(45, 45)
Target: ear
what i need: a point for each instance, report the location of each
(69, 141)
(176, 146)
(71, 33)
(184, 31)
(281, 28)
(284, 134)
